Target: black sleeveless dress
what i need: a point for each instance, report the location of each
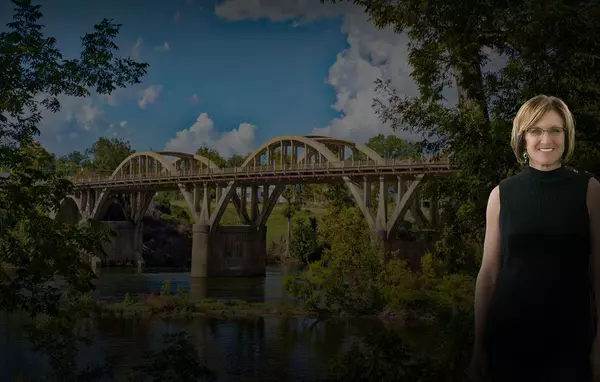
(539, 324)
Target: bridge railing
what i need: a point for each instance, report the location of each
(261, 169)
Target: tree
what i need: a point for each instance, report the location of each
(42, 159)
(75, 157)
(236, 160)
(391, 146)
(304, 245)
(550, 48)
(345, 279)
(176, 361)
(107, 154)
(211, 154)
(293, 198)
(34, 73)
(74, 163)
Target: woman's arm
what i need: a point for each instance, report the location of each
(490, 265)
(593, 202)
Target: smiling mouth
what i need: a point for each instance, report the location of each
(546, 150)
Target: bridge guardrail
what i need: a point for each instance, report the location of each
(262, 169)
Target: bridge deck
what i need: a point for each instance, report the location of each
(297, 173)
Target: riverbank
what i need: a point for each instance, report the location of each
(251, 318)
(183, 306)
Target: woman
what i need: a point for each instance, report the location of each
(533, 317)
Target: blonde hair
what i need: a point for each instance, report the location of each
(530, 113)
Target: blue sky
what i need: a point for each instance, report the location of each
(229, 74)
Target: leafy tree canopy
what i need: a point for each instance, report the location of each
(107, 154)
(34, 249)
(391, 146)
(236, 160)
(549, 48)
(212, 154)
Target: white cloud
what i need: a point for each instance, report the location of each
(372, 53)
(136, 50)
(149, 95)
(203, 132)
(163, 48)
(79, 113)
(120, 94)
(78, 118)
(176, 16)
(279, 10)
(123, 123)
(195, 98)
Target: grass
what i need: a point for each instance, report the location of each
(181, 306)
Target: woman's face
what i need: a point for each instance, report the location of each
(545, 141)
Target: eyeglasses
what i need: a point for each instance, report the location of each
(538, 132)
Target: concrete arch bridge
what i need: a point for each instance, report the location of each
(218, 250)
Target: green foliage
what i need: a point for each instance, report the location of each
(382, 356)
(391, 146)
(550, 48)
(107, 154)
(177, 361)
(304, 241)
(357, 275)
(35, 249)
(212, 155)
(431, 290)
(293, 199)
(338, 197)
(163, 202)
(60, 338)
(235, 160)
(450, 42)
(41, 159)
(345, 278)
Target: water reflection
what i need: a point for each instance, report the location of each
(264, 349)
(114, 284)
(260, 349)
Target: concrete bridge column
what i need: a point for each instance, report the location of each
(127, 244)
(200, 249)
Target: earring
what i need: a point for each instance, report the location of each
(525, 156)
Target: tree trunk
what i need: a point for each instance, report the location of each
(466, 67)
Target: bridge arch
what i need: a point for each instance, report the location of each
(309, 143)
(136, 158)
(146, 162)
(69, 211)
(112, 208)
(199, 160)
(360, 147)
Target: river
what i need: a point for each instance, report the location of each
(267, 349)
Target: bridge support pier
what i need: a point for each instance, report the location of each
(127, 245)
(229, 251)
(201, 238)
